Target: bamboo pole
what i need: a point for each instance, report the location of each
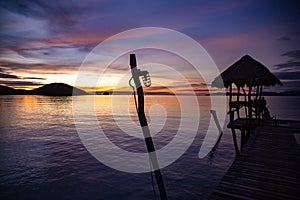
(145, 128)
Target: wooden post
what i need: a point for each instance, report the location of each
(238, 102)
(260, 98)
(249, 102)
(145, 128)
(257, 102)
(214, 114)
(245, 101)
(248, 133)
(243, 138)
(260, 92)
(235, 142)
(231, 112)
(257, 92)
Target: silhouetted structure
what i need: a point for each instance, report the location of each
(247, 77)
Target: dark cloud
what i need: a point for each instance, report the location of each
(34, 78)
(290, 66)
(57, 55)
(20, 83)
(197, 84)
(3, 75)
(28, 23)
(41, 68)
(59, 17)
(201, 90)
(293, 64)
(157, 88)
(288, 75)
(290, 70)
(205, 84)
(289, 85)
(295, 54)
(284, 39)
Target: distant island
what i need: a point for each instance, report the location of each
(53, 89)
(62, 89)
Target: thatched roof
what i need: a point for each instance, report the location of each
(246, 71)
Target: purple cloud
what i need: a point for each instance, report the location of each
(20, 83)
(284, 39)
(2, 75)
(293, 64)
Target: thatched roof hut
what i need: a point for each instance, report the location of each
(250, 76)
(246, 71)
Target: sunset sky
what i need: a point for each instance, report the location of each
(46, 41)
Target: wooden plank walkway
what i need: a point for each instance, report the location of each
(268, 167)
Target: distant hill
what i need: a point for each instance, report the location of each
(53, 89)
(4, 90)
(58, 89)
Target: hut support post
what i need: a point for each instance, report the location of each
(260, 92)
(243, 138)
(257, 102)
(238, 101)
(245, 99)
(235, 142)
(257, 92)
(249, 102)
(231, 112)
(248, 133)
(260, 101)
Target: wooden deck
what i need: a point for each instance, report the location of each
(268, 167)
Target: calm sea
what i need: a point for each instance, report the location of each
(42, 157)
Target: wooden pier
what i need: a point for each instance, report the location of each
(268, 166)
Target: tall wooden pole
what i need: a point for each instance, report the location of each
(145, 128)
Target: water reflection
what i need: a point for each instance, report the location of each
(43, 158)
